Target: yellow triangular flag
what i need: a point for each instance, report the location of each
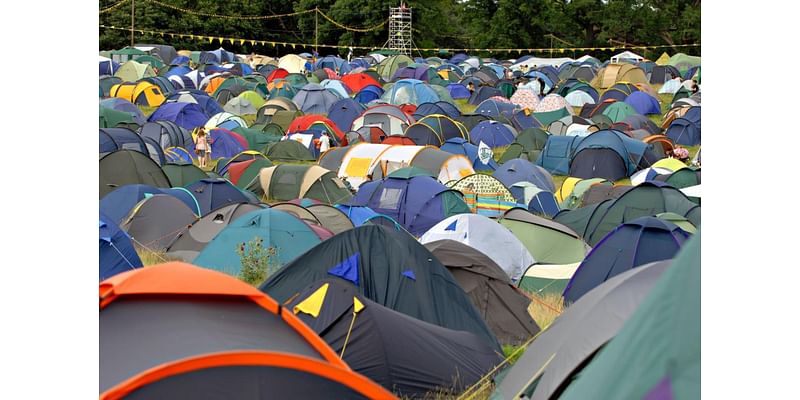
(357, 305)
(313, 304)
(241, 42)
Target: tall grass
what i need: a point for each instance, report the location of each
(150, 257)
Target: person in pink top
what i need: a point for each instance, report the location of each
(201, 147)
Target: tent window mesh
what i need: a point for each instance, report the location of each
(390, 198)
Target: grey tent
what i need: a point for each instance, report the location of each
(502, 306)
(331, 217)
(389, 267)
(124, 167)
(192, 240)
(178, 331)
(403, 354)
(578, 333)
(157, 220)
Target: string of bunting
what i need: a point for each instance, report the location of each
(348, 28)
(245, 17)
(254, 42)
(113, 6)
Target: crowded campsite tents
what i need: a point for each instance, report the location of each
(379, 225)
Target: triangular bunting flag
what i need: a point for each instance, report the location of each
(312, 304)
(347, 269)
(357, 305)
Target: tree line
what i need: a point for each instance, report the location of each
(473, 24)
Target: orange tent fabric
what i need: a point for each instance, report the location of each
(357, 82)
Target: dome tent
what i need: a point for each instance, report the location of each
(390, 268)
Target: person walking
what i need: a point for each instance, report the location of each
(202, 147)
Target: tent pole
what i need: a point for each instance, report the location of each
(133, 3)
(316, 30)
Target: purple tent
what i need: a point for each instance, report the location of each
(458, 91)
(643, 103)
(224, 144)
(416, 201)
(344, 112)
(185, 115)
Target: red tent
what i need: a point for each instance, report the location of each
(304, 123)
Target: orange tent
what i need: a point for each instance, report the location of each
(176, 329)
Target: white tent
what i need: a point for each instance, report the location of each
(577, 98)
(487, 236)
(292, 63)
(626, 55)
(530, 62)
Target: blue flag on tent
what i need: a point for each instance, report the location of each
(347, 269)
(410, 274)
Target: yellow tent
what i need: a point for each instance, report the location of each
(663, 60)
(142, 93)
(672, 164)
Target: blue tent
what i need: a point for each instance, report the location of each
(686, 130)
(315, 99)
(180, 60)
(119, 203)
(344, 112)
(362, 215)
(643, 103)
(217, 56)
(208, 104)
(519, 170)
(212, 194)
(337, 86)
(557, 152)
(548, 81)
(336, 64)
(417, 202)
(410, 91)
(482, 93)
(462, 146)
(544, 203)
(458, 91)
(223, 143)
(116, 103)
(178, 70)
(178, 155)
(117, 254)
(113, 139)
(638, 242)
(522, 119)
(368, 94)
(185, 115)
(108, 67)
(593, 157)
(288, 234)
(493, 134)
(494, 109)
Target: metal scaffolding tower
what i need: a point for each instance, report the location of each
(400, 30)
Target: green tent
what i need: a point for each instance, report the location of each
(683, 62)
(390, 65)
(527, 145)
(287, 182)
(125, 54)
(548, 242)
(181, 175)
(548, 117)
(248, 179)
(109, 118)
(676, 219)
(593, 222)
(125, 167)
(257, 139)
(153, 61)
(507, 89)
(288, 150)
(256, 99)
(618, 111)
(133, 71)
(656, 354)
